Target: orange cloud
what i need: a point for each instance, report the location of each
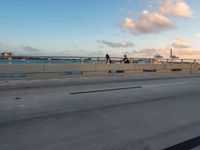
(147, 23)
(181, 48)
(176, 8)
(155, 22)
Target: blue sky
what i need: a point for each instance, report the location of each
(139, 28)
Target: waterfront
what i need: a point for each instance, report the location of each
(55, 60)
(88, 60)
(42, 61)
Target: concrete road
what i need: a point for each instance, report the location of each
(124, 115)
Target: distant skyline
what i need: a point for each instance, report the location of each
(138, 28)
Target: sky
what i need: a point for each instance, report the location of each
(138, 28)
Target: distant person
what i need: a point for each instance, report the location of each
(108, 59)
(125, 60)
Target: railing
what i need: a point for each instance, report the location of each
(90, 60)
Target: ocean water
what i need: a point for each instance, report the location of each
(57, 61)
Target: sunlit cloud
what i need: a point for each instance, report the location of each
(181, 48)
(176, 8)
(185, 53)
(157, 21)
(148, 22)
(116, 44)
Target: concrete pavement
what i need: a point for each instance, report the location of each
(123, 114)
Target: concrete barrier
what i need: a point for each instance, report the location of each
(21, 68)
(66, 70)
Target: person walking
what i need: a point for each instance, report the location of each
(108, 59)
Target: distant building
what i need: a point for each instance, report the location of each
(7, 54)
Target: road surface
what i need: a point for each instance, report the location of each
(124, 115)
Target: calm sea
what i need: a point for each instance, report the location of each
(64, 61)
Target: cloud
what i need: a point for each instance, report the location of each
(180, 43)
(147, 51)
(144, 53)
(116, 44)
(176, 8)
(30, 49)
(185, 53)
(148, 22)
(181, 48)
(157, 21)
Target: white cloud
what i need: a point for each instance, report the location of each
(148, 22)
(176, 8)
